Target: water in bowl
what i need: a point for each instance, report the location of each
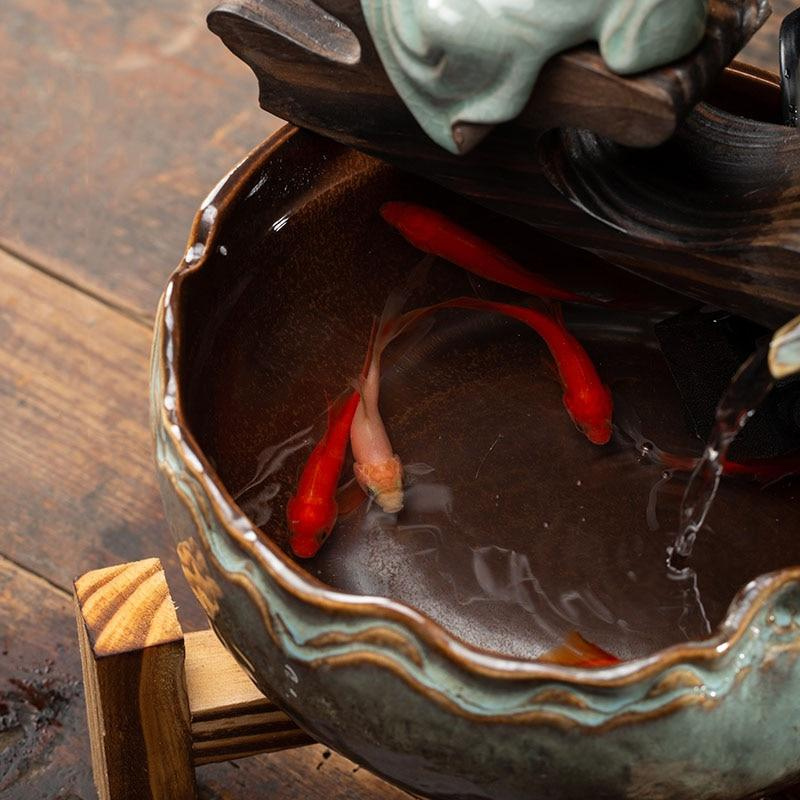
(518, 530)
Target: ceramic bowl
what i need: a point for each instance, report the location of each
(457, 707)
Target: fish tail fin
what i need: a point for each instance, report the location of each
(675, 461)
(393, 322)
(373, 336)
(556, 311)
(349, 497)
(576, 651)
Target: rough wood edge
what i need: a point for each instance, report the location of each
(132, 658)
(159, 703)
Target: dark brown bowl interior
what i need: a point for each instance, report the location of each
(523, 530)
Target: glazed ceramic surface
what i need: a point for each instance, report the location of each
(263, 309)
(476, 61)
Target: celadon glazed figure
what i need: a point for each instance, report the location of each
(475, 62)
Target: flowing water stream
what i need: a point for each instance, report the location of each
(748, 388)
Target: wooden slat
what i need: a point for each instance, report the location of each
(44, 745)
(132, 658)
(117, 120)
(230, 718)
(223, 689)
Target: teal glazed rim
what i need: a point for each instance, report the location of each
(310, 625)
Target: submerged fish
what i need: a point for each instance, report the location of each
(312, 510)
(578, 652)
(763, 469)
(586, 398)
(377, 468)
(434, 233)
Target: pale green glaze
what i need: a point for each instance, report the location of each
(784, 357)
(476, 61)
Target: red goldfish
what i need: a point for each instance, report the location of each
(586, 398)
(578, 652)
(434, 233)
(312, 510)
(764, 469)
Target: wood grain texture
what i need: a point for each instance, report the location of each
(44, 744)
(132, 658)
(100, 174)
(631, 214)
(116, 123)
(303, 77)
(78, 491)
(117, 120)
(230, 718)
(225, 689)
(127, 607)
(77, 481)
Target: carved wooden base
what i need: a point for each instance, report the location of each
(160, 702)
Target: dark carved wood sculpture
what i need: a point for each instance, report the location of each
(702, 198)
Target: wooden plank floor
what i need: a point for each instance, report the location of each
(115, 121)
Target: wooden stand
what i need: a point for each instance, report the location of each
(160, 702)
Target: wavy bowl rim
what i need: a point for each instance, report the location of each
(293, 578)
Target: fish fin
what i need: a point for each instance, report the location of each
(412, 335)
(373, 335)
(549, 368)
(576, 651)
(556, 311)
(349, 497)
(393, 322)
(476, 286)
(419, 468)
(764, 469)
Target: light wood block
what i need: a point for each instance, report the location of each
(160, 703)
(230, 717)
(132, 656)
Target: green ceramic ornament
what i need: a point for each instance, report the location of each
(476, 61)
